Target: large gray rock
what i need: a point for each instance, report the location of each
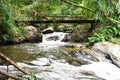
(110, 49)
(33, 35)
(48, 30)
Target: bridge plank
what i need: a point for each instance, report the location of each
(59, 21)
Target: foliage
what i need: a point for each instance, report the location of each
(116, 40)
(39, 9)
(105, 34)
(107, 12)
(7, 24)
(107, 9)
(32, 77)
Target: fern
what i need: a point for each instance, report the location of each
(8, 29)
(32, 76)
(106, 34)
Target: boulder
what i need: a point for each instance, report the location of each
(110, 50)
(66, 38)
(33, 35)
(48, 30)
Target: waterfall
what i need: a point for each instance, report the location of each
(53, 40)
(54, 37)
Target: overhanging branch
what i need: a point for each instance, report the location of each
(113, 20)
(71, 3)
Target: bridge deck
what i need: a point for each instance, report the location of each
(92, 22)
(59, 21)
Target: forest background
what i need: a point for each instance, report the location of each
(107, 12)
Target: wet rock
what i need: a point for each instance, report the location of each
(48, 30)
(109, 50)
(101, 70)
(84, 57)
(75, 46)
(66, 38)
(10, 79)
(33, 35)
(80, 54)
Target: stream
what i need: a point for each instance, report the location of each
(53, 59)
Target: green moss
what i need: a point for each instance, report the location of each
(116, 40)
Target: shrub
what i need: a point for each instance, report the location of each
(32, 77)
(105, 34)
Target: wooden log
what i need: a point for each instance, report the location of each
(58, 21)
(13, 63)
(11, 76)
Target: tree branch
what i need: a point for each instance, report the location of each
(71, 3)
(8, 75)
(111, 19)
(13, 63)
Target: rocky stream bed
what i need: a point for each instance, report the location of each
(56, 60)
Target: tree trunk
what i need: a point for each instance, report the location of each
(14, 64)
(8, 75)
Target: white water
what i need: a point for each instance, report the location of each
(59, 69)
(103, 70)
(53, 40)
(54, 37)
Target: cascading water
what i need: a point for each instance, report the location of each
(52, 61)
(53, 40)
(55, 37)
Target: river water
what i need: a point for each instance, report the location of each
(52, 60)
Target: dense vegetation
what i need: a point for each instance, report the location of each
(106, 11)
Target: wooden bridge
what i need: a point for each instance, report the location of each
(59, 21)
(31, 22)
